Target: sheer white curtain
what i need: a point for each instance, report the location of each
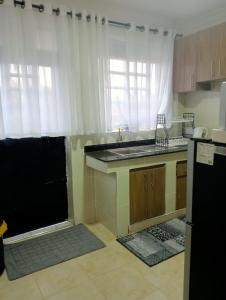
(92, 65)
(64, 76)
(141, 77)
(52, 73)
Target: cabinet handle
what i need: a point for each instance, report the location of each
(212, 70)
(220, 67)
(193, 80)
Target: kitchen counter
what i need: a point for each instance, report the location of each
(111, 165)
(129, 150)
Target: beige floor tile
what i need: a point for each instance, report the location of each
(111, 273)
(176, 295)
(4, 280)
(103, 261)
(84, 291)
(124, 283)
(167, 277)
(102, 232)
(60, 277)
(157, 295)
(24, 288)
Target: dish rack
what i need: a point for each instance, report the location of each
(165, 140)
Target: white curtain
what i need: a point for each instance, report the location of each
(141, 77)
(92, 65)
(64, 76)
(52, 73)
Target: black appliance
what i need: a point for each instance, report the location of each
(206, 223)
(33, 183)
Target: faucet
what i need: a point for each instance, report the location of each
(119, 137)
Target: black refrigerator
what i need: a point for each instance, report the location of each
(205, 249)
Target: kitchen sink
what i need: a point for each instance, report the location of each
(137, 150)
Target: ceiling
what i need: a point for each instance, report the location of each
(174, 9)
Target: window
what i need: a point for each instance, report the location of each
(23, 86)
(132, 86)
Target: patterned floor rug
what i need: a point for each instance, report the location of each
(157, 243)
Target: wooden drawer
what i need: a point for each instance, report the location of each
(182, 168)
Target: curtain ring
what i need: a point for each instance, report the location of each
(57, 11)
(89, 18)
(41, 8)
(79, 16)
(23, 4)
(154, 30)
(70, 13)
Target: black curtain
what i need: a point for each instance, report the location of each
(33, 183)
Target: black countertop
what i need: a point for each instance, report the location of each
(105, 152)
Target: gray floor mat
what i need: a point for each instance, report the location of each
(29, 256)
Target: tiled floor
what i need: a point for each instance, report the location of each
(111, 273)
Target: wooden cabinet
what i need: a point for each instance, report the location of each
(178, 71)
(147, 193)
(209, 43)
(200, 58)
(185, 64)
(204, 55)
(223, 51)
(181, 184)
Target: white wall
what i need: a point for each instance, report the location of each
(205, 105)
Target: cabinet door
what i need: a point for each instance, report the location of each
(216, 39)
(178, 69)
(181, 185)
(223, 51)
(138, 201)
(204, 63)
(185, 53)
(210, 53)
(190, 55)
(155, 181)
(147, 193)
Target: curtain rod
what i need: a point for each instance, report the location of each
(41, 8)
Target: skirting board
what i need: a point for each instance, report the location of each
(157, 220)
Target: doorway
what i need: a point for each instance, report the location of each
(34, 183)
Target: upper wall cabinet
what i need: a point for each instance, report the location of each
(200, 58)
(210, 54)
(223, 51)
(185, 64)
